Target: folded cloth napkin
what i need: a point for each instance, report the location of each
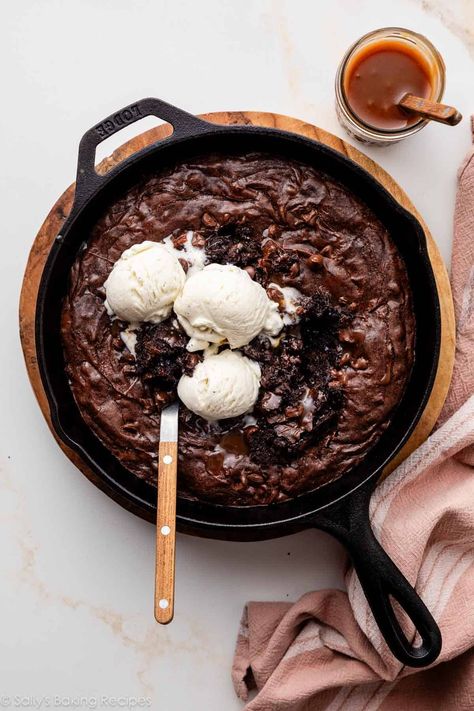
(325, 652)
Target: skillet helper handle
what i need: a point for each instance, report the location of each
(166, 532)
(88, 179)
(381, 580)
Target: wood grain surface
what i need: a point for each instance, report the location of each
(431, 110)
(60, 210)
(166, 532)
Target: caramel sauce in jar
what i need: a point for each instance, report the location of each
(374, 75)
(379, 75)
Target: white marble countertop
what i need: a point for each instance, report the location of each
(77, 571)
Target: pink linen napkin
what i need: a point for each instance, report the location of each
(325, 652)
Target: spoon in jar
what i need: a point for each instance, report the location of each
(166, 514)
(430, 110)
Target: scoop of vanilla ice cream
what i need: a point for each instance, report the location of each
(221, 386)
(144, 283)
(221, 303)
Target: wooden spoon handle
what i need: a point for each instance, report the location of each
(166, 532)
(431, 110)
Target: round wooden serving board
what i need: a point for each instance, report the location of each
(54, 221)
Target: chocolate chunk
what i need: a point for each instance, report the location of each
(198, 241)
(315, 261)
(179, 240)
(279, 260)
(269, 401)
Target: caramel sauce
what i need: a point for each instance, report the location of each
(231, 446)
(378, 75)
(215, 463)
(234, 442)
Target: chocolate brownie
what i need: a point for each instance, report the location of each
(329, 383)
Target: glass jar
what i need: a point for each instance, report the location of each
(354, 125)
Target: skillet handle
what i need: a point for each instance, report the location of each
(380, 579)
(88, 180)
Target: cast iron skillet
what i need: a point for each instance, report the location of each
(340, 507)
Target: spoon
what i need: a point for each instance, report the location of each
(430, 110)
(166, 514)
